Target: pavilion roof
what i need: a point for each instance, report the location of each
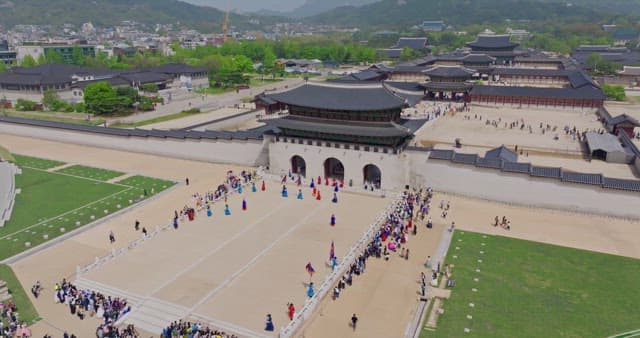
(341, 96)
(319, 125)
(450, 71)
(493, 41)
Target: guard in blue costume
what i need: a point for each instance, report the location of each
(253, 187)
(244, 204)
(334, 263)
(226, 210)
(299, 194)
(333, 219)
(312, 185)
(335, 198)
(335, 188)
(209, 212)
(269, 325)
(311, 291)
(284, 191)
(240, 189)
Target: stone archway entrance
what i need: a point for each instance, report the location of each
(298, 166)
(372, 175)
(333, 168)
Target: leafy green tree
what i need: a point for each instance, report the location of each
(407, 54)
(77, 56)
(3, 67)
(52, 56)
(49, 98)
(28, 61)
(100, 98)
(614, 92)
(150, 88)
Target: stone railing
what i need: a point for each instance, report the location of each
(312, 303)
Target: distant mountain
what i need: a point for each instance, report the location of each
(402, 13)
(112, 12)
(313, 7)
(627, 7)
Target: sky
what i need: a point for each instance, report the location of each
(250, 5)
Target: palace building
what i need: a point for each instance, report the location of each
(348, 132)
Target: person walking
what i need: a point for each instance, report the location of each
(354, 321)
(112, 237)
(136, 225)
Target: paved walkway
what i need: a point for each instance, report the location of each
(207, 103)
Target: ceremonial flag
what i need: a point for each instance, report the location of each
(310, 269)
(332, 252)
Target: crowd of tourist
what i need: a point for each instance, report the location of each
(84, 303)
(185, 329)
(391, 237)
(10, 324)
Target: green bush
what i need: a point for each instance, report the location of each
(614, 92)
(150, 88)
(26, 105)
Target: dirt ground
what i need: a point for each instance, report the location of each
(475, 132)
(384, 298)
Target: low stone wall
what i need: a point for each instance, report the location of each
(521, 189)
(250, 152)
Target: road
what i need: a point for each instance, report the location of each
(206, 103)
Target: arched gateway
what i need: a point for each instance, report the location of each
(298, 165)
(333, 168)
(372, 175)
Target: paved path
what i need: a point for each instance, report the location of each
(207, 103)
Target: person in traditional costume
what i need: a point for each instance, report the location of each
(253, 187)
(333, 219)
(226, 210)
(300, 194)
(311, 291)
(269, 325)
(209, 211)
(284, 191)
(244, 204)
(335, 198)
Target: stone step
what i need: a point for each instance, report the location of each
(154, 315)
(147, 322)
(227, 327)
(107, 290)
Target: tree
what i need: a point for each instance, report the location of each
(28, 61)
(100, 98)
(77, 56)
(3, 67)
(614, 92)
(407, 54)
(269, 63)
(594, 60)
(150, 87)
(49, 98)
(52, 56)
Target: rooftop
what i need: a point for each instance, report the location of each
(366, 129)
(605, 142)
(341, 96)
(493, 41)
(449, 71)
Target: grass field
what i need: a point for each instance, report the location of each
(26, 310)
(528, 289)
(90, 172)
(51, 203)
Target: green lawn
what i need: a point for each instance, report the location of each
(51, 204)
(164, 118)
(90, 172)
(26, 310)
(528, 289)
(35, 162)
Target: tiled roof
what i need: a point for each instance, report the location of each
(352, 97)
